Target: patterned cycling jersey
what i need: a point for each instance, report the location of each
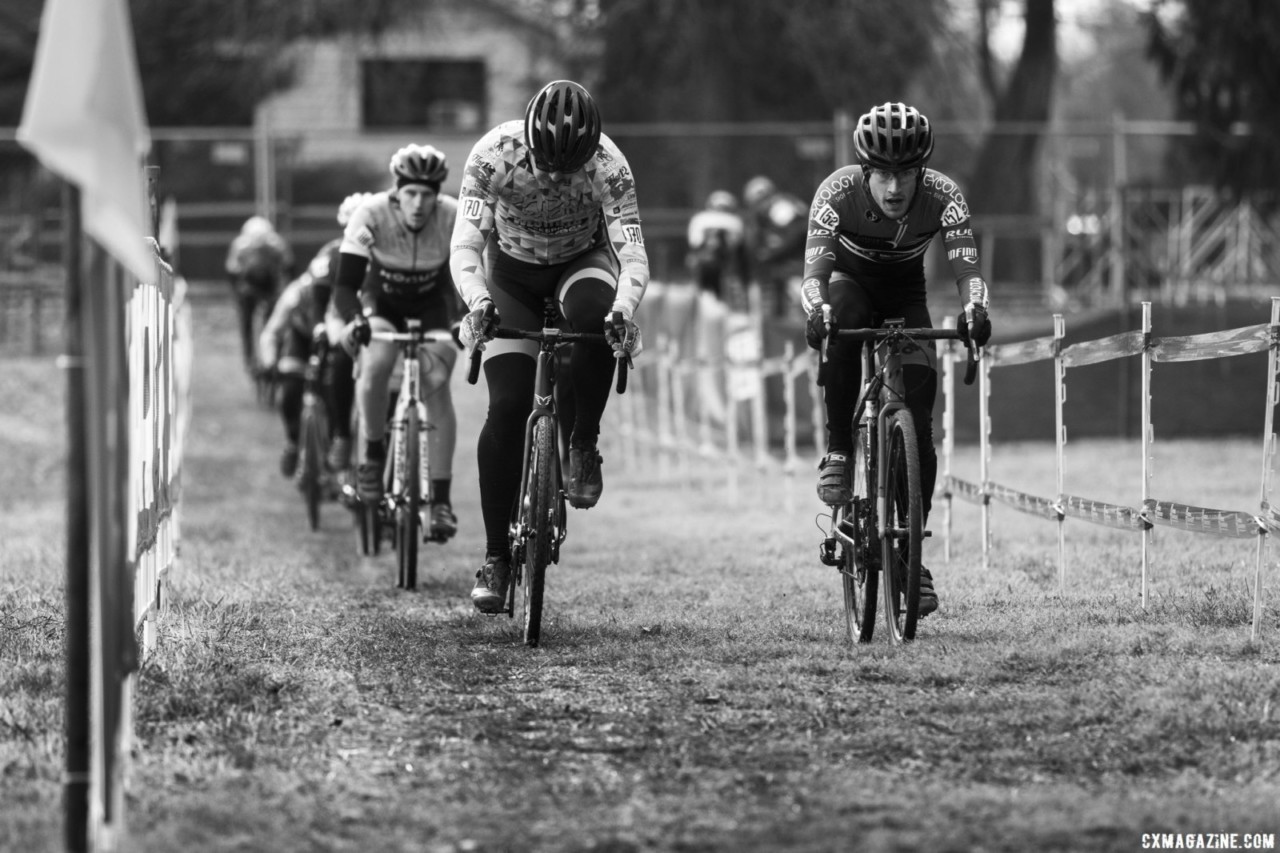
(408, 263)
(546, 221)
(848, 234)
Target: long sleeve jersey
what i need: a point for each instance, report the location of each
(540, 220)
(409, 263)
(847, 233)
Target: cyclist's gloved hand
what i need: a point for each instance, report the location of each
(974, 324)
(356, 334)
(319, 334)
(815, 328)
(477, 327)
(623, 335)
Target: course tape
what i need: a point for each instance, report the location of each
(1023, 502)
(1216, 522)
(1103, 349)
(972, 492)
(1021, 352)
(1213, 344)
(1100, 512)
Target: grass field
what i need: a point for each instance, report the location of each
(693, 692)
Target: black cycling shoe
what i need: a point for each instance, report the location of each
(585, 480)
(928, 598)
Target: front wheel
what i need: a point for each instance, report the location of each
(859, 563)
(409, 504)
(313, 442)
(902, 529)
(542, 512)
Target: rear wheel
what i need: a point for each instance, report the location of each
(409, 503)
(903, 529)
(542, 513)
(859, 565)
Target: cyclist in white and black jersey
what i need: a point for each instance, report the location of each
(869, 227)
(405, 232)
(559, 200)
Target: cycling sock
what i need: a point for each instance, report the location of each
(440, 491)
(591, 367)
(375, 449)
(501, 443)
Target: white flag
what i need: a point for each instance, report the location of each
(84, 119)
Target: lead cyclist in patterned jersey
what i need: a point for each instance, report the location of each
(869, 227)
(405, 231)
(559, 199)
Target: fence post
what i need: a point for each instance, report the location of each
(1148, 437)
(948, 434)
(1060, 440)
(789, 402)
(1268, 460)
(984, 456)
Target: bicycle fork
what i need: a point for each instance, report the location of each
(543, 406)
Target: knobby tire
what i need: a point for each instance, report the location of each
(314, 444)
(903, 529)
(409, 507)
(542, 511)
(859, 571)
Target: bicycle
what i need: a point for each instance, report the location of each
(406, 501)
(538, 518)
(315, 481)
(878, 536)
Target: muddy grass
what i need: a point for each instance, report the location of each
(694, 691)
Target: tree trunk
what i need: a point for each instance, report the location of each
(1003, 188)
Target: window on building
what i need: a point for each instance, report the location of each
(433, 94)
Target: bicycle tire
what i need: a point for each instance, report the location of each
(859, 565)
(542, 509)
(313, 443)
(409, 502)
(903, 530)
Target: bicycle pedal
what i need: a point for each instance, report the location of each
(827, 553)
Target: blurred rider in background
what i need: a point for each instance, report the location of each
(775, 241)
(342, 381)
(717, 245)
(286, 340)
(559, 200)
(259, 262)
(404, 232)
(869, 227)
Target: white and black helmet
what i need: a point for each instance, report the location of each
(562, 126)
(419, 164)
(893, 136)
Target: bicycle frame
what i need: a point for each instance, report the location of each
(410, 396)
(882, 397)
(528, 514)
(405, 507)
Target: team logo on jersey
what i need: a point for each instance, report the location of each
(819, 232)
(940, 182)
(968, 253)
(818, 253)
(472, 208)
(957, 211)
(811, 291)
(632, 234)
(957, 233)
(827, 217)
(365, 237)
